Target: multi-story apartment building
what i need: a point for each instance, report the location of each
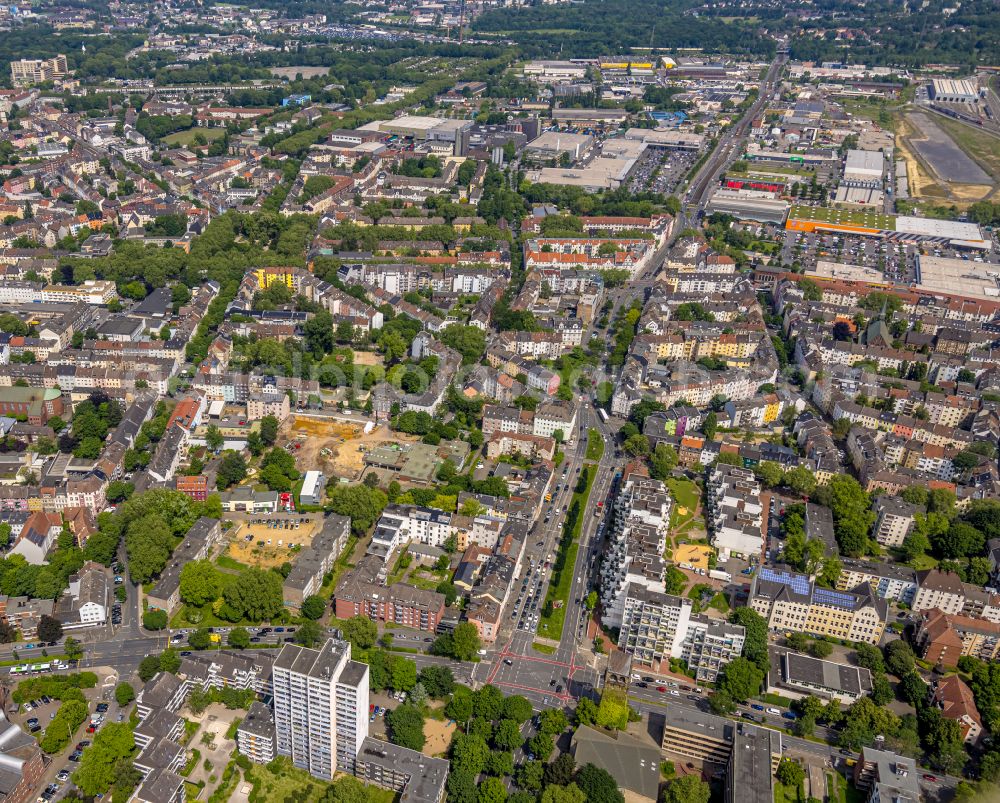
(735, 512)
(709, 645)
(943, 638)
(894, 520)
(555, 415)
(889, 581)
(418, 778)
(887, 777)
(633, 553)
(314, 561)
(255, 734)
(320, 707)
(413, 523)
(790, 601)
(653, 625)
(362, 592)
(657, 627)
(942, 590)
(956, 701)
(260, 405)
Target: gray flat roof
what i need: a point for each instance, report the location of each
(695, 721)
(319, 663)
(633, 764)
(750, 765)
(804, 669)
(426, 775)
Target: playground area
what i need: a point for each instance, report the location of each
(438, 735)
(694, 555)
(270, 541)
(337, 448)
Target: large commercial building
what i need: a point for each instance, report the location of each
(320, 707)
(752, 764)
(864, 168)
(26, 72)
(693, 734)
(948, 90)
(792, 602)
(418, 127)
(744, 204)
(957, 277)
(897, 228)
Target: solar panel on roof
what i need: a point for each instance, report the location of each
(838, 598)
(797, 582)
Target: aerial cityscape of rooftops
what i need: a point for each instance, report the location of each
(499, 401)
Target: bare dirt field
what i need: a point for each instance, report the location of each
(337, 448)
(368, 358)
(278, 541)
(306, 72)
(438, 736)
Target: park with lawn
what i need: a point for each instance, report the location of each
(550, 624)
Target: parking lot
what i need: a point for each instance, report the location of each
(661, 170)
(35, 715)
(896, 260)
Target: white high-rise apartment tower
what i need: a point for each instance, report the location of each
(320, 707)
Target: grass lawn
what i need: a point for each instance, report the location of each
(544, 649)
(425, 583)
(841, 790)
(924, 562)
(686, 495)
(720, 603)
(877, 112)
(288, 783)
(226, 562)
(342, 565)
(185, 138)
(774, 699)
(777, 170)
(595, 445)
(402, 564)
(785, 794)
(562, 579)
(686, 492)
